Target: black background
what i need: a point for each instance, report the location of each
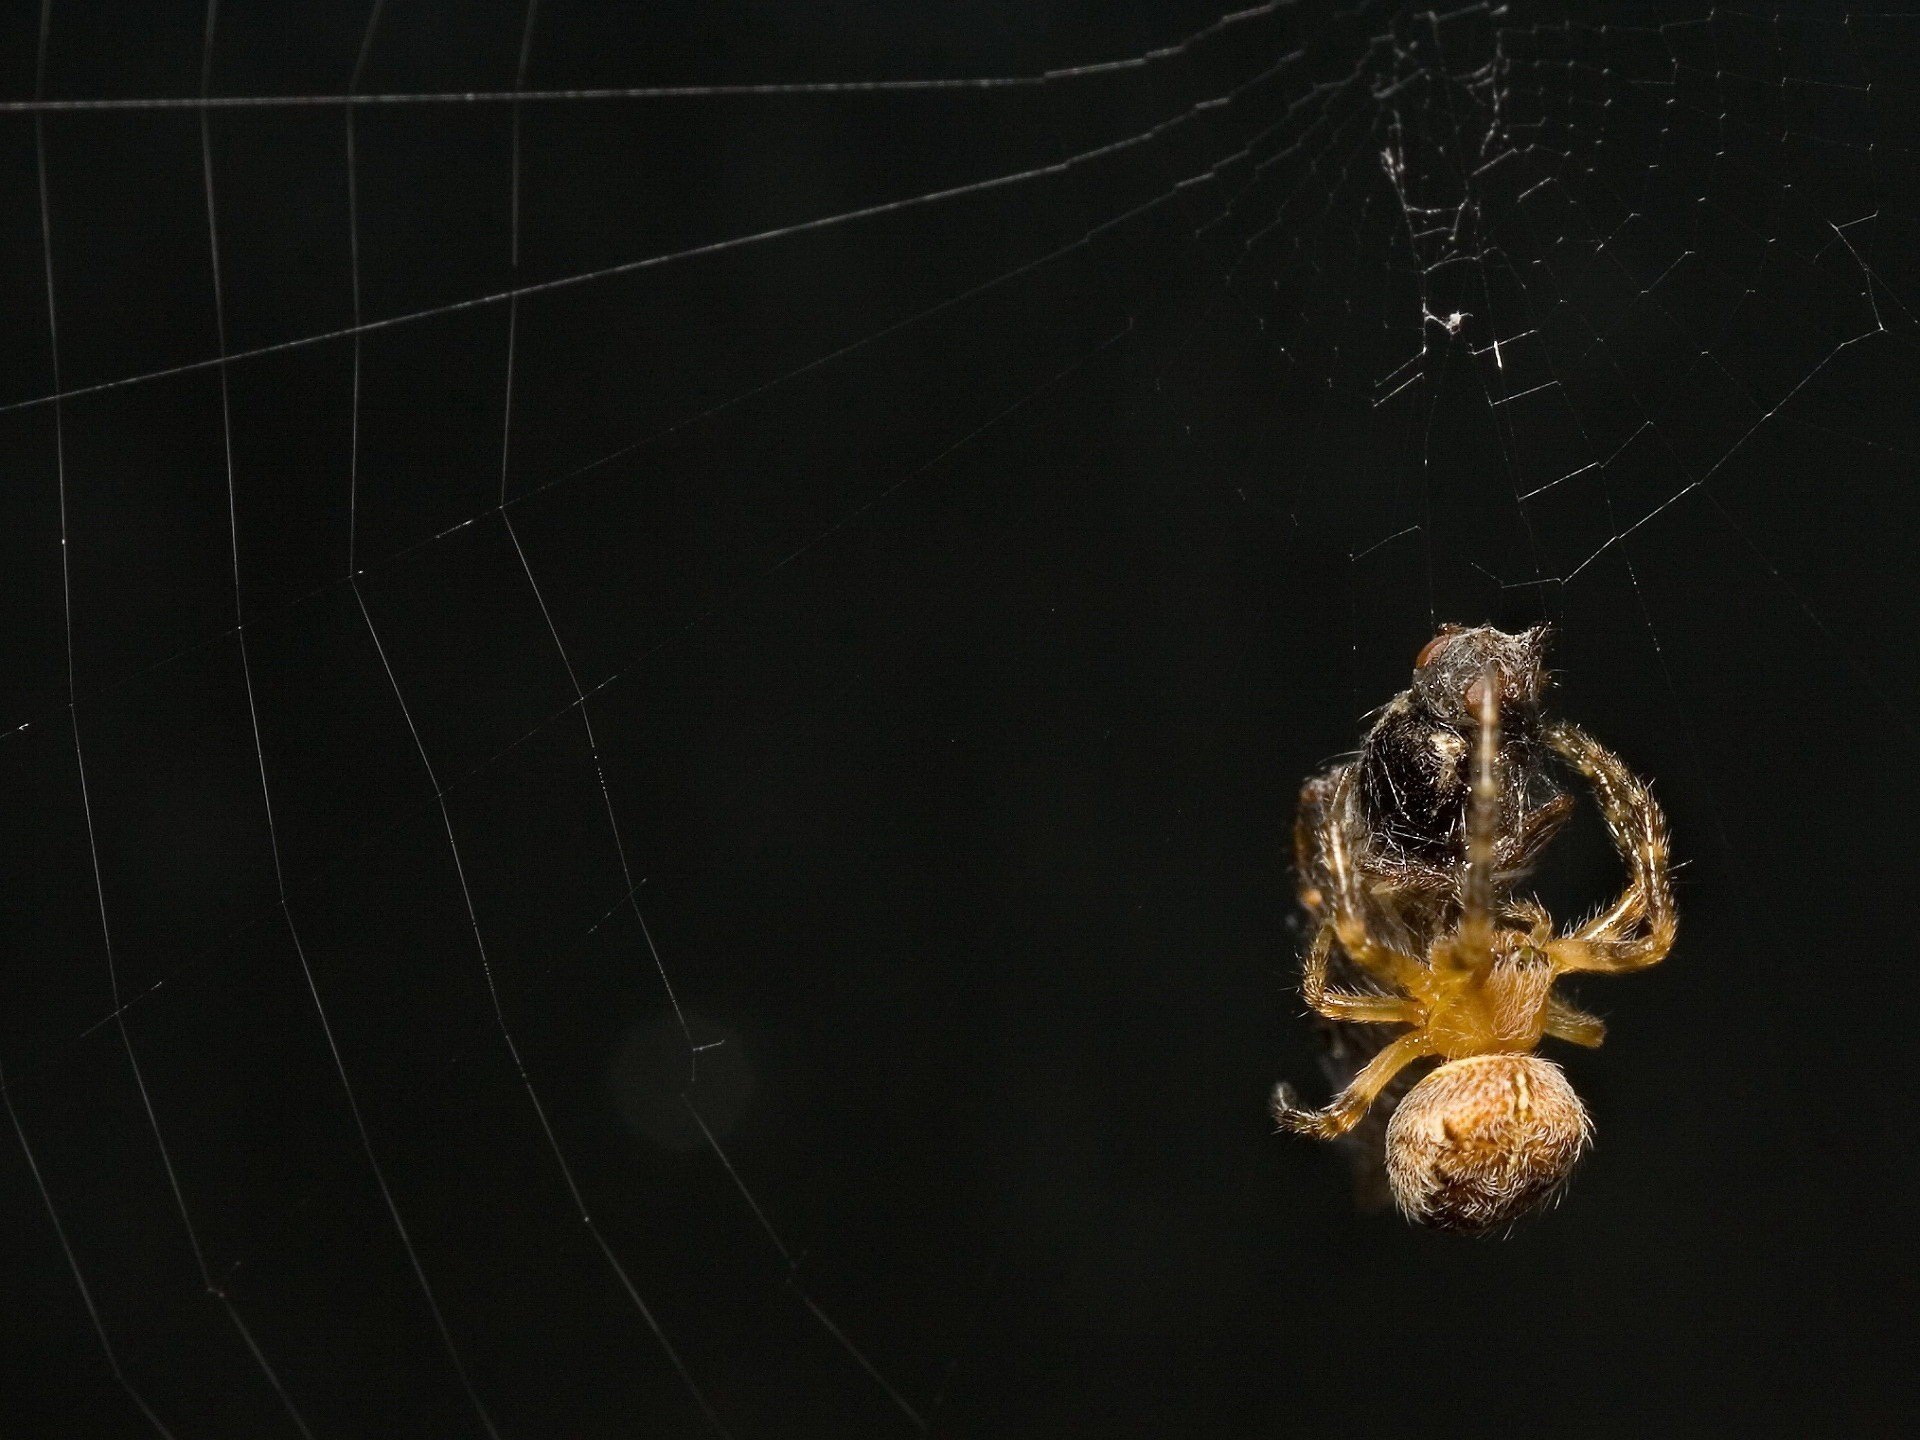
(968, 591)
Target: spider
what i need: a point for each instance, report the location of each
(1405, 814)
(1444, 950)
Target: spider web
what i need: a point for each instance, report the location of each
(656, 659)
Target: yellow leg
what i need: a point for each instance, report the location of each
(1347, 909)
(1346, 1004)
(1352, 1103)
(1570, 1023)
(1472, 946)
(1637, 930)
(1617, 920)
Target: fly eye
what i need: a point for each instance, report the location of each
(1427, 650)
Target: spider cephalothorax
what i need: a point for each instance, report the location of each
(1437, 944)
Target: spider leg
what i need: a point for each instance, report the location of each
(1474, 946)
(1345, 1004)
(1568, 1022)
(1351, 1104)
(1347, 905)
(1609, 942)
(1308, 828)
(1617, 920)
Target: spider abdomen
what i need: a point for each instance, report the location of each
(1481, 1141)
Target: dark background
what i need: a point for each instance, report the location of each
(959, 596)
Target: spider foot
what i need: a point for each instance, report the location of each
(1291, 1114)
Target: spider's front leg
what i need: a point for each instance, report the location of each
(1351, 1104)
(1309, 837)
(1639, 830)
(1347, 908)
(1474, 947)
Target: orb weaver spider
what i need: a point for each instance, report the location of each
(1468, 970)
